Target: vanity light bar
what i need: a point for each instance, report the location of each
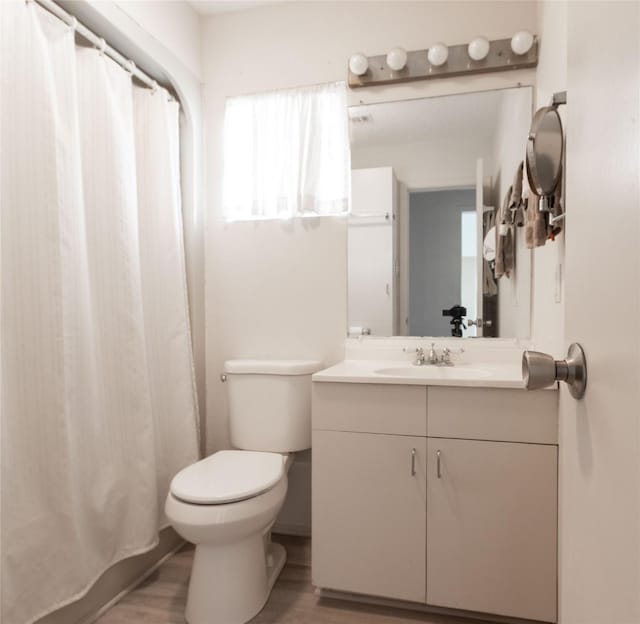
(500, 57)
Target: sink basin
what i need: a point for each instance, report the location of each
(434, 372)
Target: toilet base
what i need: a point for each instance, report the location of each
(231, 583)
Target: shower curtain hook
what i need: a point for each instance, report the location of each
(154, 87)
(102, 45)
(73, 23)
(131, 67)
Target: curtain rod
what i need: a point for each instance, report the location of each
(99, 43)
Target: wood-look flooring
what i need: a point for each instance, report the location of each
(161, 598)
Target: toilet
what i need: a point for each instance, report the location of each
(227, 503)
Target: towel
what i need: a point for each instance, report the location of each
(489, 285)
(535, 234)
(515, 203)
(553, 229)
(538, 227)
(504, 238)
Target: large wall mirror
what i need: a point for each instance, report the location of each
(428, 176)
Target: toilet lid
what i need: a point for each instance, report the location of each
(228, 476)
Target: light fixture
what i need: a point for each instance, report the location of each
(397, 58)
(358, 64)
(478, 48)
(478, 56)
(438, 54)
(521, 42)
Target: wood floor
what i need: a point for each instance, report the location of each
(161, 598)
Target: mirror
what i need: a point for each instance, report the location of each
(544, 154)
(428, 178)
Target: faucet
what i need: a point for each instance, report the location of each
(445, 358)
(433, 354)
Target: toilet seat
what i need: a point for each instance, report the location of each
(227, 477)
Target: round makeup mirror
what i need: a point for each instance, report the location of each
(544, 154)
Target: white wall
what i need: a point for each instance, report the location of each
(252, 308)
(429, 165)
(548, 261)
(599, 502)
(173, 24)
(514, 298)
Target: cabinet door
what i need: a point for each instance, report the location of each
(369, 514)
(492, 527)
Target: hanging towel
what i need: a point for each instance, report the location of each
(489, 285)
(515, 203)
(504, 238)
(553, 229)
(536, 228)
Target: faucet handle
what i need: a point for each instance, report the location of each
(445, 358)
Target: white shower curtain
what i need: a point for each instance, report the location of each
(97, 394)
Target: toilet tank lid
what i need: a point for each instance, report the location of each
(272, 367)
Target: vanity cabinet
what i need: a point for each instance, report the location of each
(369, 489)
(437, 495)
(491, 527)
(370, 514)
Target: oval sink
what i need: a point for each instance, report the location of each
(435, 372)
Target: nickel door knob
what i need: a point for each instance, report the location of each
(540, 370)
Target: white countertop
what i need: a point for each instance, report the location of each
(470, 375)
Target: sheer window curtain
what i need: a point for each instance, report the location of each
(97, 391)
(286, 153)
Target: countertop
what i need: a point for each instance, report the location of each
(472, 375)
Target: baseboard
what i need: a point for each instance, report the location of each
(299, 530)
(418, 606)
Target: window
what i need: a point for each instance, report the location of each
(286, 154)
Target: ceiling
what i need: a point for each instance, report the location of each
(215, 7)
(425, 119)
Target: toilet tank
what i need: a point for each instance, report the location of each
(270, 404)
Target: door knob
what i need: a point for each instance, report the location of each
(540, 370)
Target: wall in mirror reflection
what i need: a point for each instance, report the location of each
(427, 178)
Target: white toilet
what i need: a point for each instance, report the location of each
(227, 503)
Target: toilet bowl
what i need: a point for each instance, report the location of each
(227, 503)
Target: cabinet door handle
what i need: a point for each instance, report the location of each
(413, 462)
(438, 464)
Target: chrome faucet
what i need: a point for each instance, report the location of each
(434, 359)
(433, 354)
(445, 358)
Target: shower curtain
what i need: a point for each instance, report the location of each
(97, 386)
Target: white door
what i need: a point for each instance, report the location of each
(600, 435)
(371, 248)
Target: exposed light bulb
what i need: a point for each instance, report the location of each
(521, 42)
(478, 48)
(438, 54)
(358, 64)
(397, 58)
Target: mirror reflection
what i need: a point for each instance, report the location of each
(428, 178)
